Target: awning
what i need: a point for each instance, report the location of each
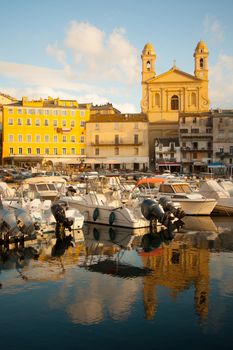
(216, 165)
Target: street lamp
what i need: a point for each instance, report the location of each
(155, 159)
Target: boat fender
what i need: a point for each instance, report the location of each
(96, 214)
(112, 234)
(112, 218)
(96, 234)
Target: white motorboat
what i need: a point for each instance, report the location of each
(211, 188)
(107, 203)
(43, 187)
(192, 203)
(41, 213)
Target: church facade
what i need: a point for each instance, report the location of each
(166, 95)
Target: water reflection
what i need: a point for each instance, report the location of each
(106, 271)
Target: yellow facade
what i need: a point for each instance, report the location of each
(167, 94)
(42, 130)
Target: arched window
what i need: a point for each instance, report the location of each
(193, 99)
(157, 100)
(201, 63)
(148, 65)
(174, 103)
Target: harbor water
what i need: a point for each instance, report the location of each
(114, 288)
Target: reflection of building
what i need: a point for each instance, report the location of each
(167, 94)
(175, 267)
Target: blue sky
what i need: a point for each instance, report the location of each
(90, 50)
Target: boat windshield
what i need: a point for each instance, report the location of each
(182, 188)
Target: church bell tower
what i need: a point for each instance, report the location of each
(148, 62)
(201, 61)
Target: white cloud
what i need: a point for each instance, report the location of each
(99, 56)
(95, 67)
(221, 82)
(214, 28)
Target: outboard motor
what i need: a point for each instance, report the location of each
(24, 221)
(8, 222)
(169, 206)
(151, 209)
(62, 221)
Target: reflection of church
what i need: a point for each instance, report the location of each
(167, 94)
(176, 267)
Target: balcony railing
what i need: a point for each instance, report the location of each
(115, 144)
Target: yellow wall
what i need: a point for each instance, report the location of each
(52, 110)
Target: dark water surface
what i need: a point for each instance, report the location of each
(119, 289)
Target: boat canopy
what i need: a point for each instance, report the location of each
(150, 180)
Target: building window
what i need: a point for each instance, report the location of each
(221, 134)
(136, 151)
(116, 151)
(10, 121)
(46, 122)
(55, 151)
(46, 138)
(55, 123)
(82, 123)
(97, 139)
(157, 100)
(148, 65)
(63, 112)
(55, 138)
(11, 138)
(72, 123)
(221, 150)
(63, 122)
(10, 111)
(117, 140)
(19, 111)
(73, 151)
(195, 131)
(20, 150)
(19, 122)
(194, 120)
(63, 138)
(64, 151)
(97, 151)
(72, 138)
(20, 138)
(193, 99)
(174, 103)
(37, 122)
(29, 122)
(37, 138)
(46, 150)
(82, 151)
(72, 113)
(231, 150)
(29, 138)
(97, 126)
(201, 63)
(29, 150)
(136, 139)
(81, 138)
(11, 151)
(82, 113)
(38, 151)
(183, 120)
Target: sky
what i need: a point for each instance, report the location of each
(91, 50)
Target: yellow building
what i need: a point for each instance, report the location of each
(167, 94)
(41, 131)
